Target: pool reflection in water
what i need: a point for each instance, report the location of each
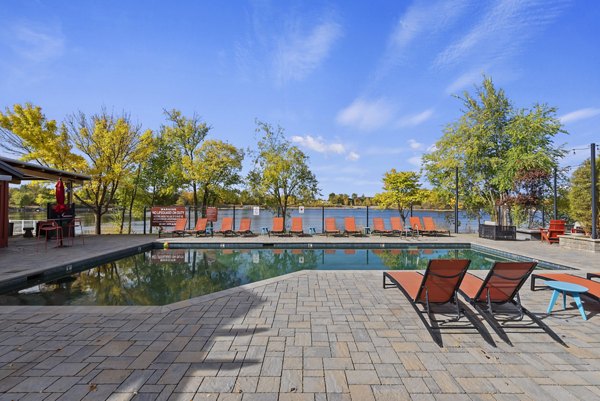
(161, 277)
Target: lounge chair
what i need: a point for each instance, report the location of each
(379, 227)
(278, 228)
(297, 226)
(245, 224)
(330, 227)
(592, 286)
(199, 228)
(350, 227)
(438, 285)
(590, 276)
(550, 234)
(398, 227)
(417, 226)
(226, 227)
(431, 228)
(179, 229)
(501, 286)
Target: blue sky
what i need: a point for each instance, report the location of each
(361, 87)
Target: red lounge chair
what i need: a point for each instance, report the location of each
(431, 228)
(438, 285)
(297, 226)
(199, 228)
(417, 226)
(179, 229)
(245, 224)
(550, 234)
(330, 227)
(592, 286)
(501, 286)
(379, 227)
(398, 227)
(277, 228)
(350, 227)
(226, 227)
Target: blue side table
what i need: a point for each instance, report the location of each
(560, 287)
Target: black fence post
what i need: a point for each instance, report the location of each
(594, 191)
(456, 201)
(555, 196)
(144, 220)
(367, 225)
(190, 216)
(234, 217)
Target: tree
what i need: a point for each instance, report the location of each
(401, 190)
(112, 146)
(491, 143)
(26, 132)
(216, 167)
(187, 134)
(280, 170)
(161, 172)
(580, 195)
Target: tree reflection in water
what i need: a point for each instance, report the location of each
(161, 277)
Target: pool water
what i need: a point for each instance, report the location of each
(161, 277)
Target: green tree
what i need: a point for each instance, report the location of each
(401, 190)
(580, 195)
(491, 143)
(187, 134)
(216, 167)
(280, 170)
(26, 132)
(112, 146)
(161, 173)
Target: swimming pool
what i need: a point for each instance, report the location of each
(161, 277)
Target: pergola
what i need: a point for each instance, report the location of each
(15, 171)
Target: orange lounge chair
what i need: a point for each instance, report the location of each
(199, 228)
(350, 227)
(398, 227)
(179, 229)
(330, 227)
(590, 276)
(297, 226)
(245, 224)
(226, 227)
(501, 286)
(438, 285)
(379, 227)
(431, 228)
(278, 228)
(592, 286)
(550, 234)
(417, 226)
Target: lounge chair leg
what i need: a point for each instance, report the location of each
(457, 306)
(493, 323)
(489, 302)
(519, 306)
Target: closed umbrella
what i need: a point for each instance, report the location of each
(60, 197)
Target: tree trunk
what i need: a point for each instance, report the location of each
(98, 216)
(195, 188)
(133, 195)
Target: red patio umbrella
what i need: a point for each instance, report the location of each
(60, 197)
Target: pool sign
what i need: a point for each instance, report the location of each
(164, 216)
(211, 213)
(301, 209)
(256, 210)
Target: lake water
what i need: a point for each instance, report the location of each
(312, 217)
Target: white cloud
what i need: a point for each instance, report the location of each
(366, 115)
(502, 31)
(465, 80)
(353, 156)
(415, 119)
(318, 144)
(37, 44)
(414, 145)
(578, 115)
(297, 55)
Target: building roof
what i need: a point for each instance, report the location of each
(22, 171)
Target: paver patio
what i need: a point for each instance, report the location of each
(310, 335)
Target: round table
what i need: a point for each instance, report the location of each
(560, 287)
